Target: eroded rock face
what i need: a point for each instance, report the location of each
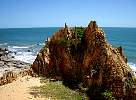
(84, 55)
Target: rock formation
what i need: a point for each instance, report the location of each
(10, 69)
(83, 55)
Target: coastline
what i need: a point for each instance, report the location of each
(13, 66)
(10, 68)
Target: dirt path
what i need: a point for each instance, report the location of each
(20, 89)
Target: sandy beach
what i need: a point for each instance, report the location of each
(20, 89)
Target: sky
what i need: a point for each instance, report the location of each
(54, 13)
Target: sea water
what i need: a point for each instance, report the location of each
(26, 42)
(126, 38)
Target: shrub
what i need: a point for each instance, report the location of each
(99, 93)
(80, 32)
(108, 95)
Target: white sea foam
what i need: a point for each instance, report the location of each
(133, 67)
(21, 53)
(20, 47)
(10, 48)
(41, 44)
(28, 57)
(3, 44)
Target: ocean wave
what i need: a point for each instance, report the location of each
(3, 44)
(37, 44)
(10, 48)
(41, 44)
(28, 57)
(20, 47)
(21, 53)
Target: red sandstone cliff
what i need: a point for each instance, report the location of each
(87, 58)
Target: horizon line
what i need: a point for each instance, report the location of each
(71, 26)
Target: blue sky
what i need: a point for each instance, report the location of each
(48, 13)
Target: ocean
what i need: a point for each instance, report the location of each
(26, 42)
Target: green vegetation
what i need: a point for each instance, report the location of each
(79, 31)
(99, 93)
(64, 42)
(56, 91)
(76, 38)
(108, 95)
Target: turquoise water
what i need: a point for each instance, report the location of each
(21, 40)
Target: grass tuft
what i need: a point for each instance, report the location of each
(56, 91)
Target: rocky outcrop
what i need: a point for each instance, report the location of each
(10, 69)
(84, 55)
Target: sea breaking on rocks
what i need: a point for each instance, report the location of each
(10, 68)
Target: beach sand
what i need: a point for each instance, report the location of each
(21, 89)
